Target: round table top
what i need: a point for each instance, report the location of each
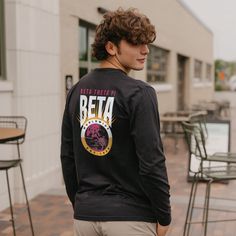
(10, 134)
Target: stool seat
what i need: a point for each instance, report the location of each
(7, 164)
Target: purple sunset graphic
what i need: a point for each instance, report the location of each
(96, 137)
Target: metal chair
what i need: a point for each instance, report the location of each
(196, 141)
(18, 124)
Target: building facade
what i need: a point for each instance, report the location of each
(31, 86)
(45, 48)
(180, 63)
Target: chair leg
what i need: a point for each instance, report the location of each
(25, 192)
(27, 201)
(190, 206)
(176, 145)
(175, 139)
(207, 205)
(193, 202)
(11, 207)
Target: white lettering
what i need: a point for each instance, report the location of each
(83, 109)
(107, 115)
(91, 107)
(96, 106)
(101, 100)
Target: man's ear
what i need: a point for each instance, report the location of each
(111, 48)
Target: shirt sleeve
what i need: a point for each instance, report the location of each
(145, 129)
(67, 155)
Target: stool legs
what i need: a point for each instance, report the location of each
(27, 201)
(25, 192)
(11, 208)
(207, 205)
(190, 205)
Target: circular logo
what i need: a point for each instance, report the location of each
(96, 137)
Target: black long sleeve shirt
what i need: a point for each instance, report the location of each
(111, 151)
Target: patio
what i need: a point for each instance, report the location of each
(52, 212)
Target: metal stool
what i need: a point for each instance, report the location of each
(12, 132)
(196, 138)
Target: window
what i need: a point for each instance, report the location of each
(2, 43)
(208, 72)
(157, 64)
(197, 69)
(86, 37)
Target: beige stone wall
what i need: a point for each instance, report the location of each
(32, 89)
(68, 43)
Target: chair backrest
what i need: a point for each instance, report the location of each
(19, 122)
(200, 119)
(195, 138)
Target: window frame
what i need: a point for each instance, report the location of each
(198, 74)
(90, 63)
(160, 60)
(208, 73)
(2, 43)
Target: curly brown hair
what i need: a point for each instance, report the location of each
(129, 25)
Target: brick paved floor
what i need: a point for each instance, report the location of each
(52, 213)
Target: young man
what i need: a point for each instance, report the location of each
(111, 152)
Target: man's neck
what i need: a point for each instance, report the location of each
(113, 63)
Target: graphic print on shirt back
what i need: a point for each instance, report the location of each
(96, 118)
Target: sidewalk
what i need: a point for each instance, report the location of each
(52, 212)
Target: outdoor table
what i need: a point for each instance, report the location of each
(10, 134)
(212, 108)
(180, 116)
